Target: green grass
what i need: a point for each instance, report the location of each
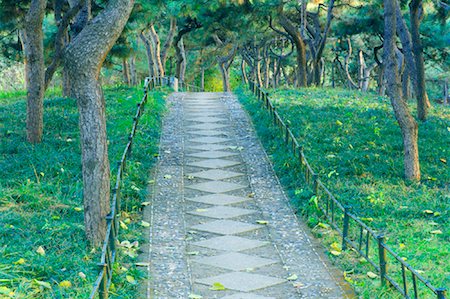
(353, 142)
(41, 195)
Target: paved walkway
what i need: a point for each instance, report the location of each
(219, 218)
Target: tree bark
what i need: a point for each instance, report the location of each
(422, 98)
(169, 41)
(33, 37)
(126, 72)
(83, 59)
(157, 52)
(181, 67)
(404, 118)
(299, 46)
(133, 73)
(202, 79)
(149, 52)
(243, 72)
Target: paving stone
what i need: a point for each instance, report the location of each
(230, 243)
(244, 282)
(216, 186)
(208, 119)
(222, 212)
(216, 174)
(226, 227)
(219, 199)
(209, 139)
(207, 132)
(208, 147)
(208, 126)
(246, 296)
(214, 163)
(212, 154)
(235, 261)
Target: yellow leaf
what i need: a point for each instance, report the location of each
(371, 275)
(167, 176)
(323, 225)
(292, 277)
(335, 252)
(251, 195)
(131, 279)
(194, 296)
(369, 219)
(201, 210)
(262, 222)
(42, 284)
(336, 246)
(338, 122)
(436, 232)
(145, 223)
(402, 246)
(20, 261)
(65, 284)
(40, 250)
(436, 214)
(443, 160)
(142, 264)
(123, 225)
(82, 275)
(78, 209)
(145, 203)
(217, 286)
(192, 253)
(5, 290)
(428, 211)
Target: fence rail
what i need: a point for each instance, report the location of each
(154, 82)
(109, 252)
(366, 241)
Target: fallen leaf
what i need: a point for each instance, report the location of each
(44, 284)
(201, 210)
(436, 214)
(402, 246)
(217, 286)
(443, 160)
(428, 211)
(190, 177)
(264, 222)
(20, 261)
(133, 187)
(126, 244)
(323, 225)
(82, 275)
(292, 277)
(298, 285)
(78, 209)
(168, 176)
(145, 203)
(123, 225)
(65, 284)
(131, 279)
(338, 122)
(436, 232)
(194, 296)
(335, 252)
(145, 223)
(4, 290)
(336, 246)
(369, 219)
(41, 250)
(142, 264)
(192, 253)
(371, 275)
(251, 195)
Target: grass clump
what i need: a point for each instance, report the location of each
(43, 247)
(353, 142)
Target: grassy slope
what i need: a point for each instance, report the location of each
(41, 193)
(353, 141)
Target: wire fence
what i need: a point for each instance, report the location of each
(392, 269)
(109, 247)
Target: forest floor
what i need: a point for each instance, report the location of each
(353, 142)
(44, 253)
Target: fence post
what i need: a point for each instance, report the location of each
(130, 140)
(441, 293)
(347, 210)
(287, 134)
(103, 290)
(274, 116)
(267, 100)
(382, 258)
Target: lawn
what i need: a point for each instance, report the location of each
(44, 253)
(353, 142)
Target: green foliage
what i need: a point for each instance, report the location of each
(353, 141)
(41, 195)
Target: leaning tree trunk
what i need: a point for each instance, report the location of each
(157, 43)
(126, 72)
(422, 98)
(149, 52)
(244, 72)
(169, 40)
(83, 59)
(408, 125)
(35, 70)
(225, 78)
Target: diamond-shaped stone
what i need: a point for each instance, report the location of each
(208, 119)
(219, 199)
(208, 126)
(212, 154)
(222, 212)
(246, 296)
(214, 163)
(244, 282)
(230, 243)
(207, 132)
(216, 174)
(235, 261)
(209, 147)
(216, 186)
(209, 139)
(226, 227)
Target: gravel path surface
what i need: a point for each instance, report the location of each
(221, 226)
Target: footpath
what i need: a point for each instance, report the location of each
(221, 226)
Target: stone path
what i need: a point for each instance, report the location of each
(219, 216)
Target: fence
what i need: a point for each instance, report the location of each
(354, 232)
(154, 82)
(103, 281)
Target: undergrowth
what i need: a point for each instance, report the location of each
(353, 142)
(44, 253)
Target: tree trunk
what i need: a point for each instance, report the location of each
(446, 93)
(243, 72)
(157, 52)
(182, 63)
(149, 52)
(422, 98)
(404, 118)
(66, 86)
(169, 41)
(405, 85)
(33, 36)
(225, 78)
(83, 59)
(351, 83)
(133, 73)
(125, 72)
(299, 47)
(202, 79)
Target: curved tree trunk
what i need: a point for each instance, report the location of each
(169, 41)
(157, 52)
(225, 78)
(243, 72)
(32, 37)
(404, 118)
(83, 59)
(149, 52)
